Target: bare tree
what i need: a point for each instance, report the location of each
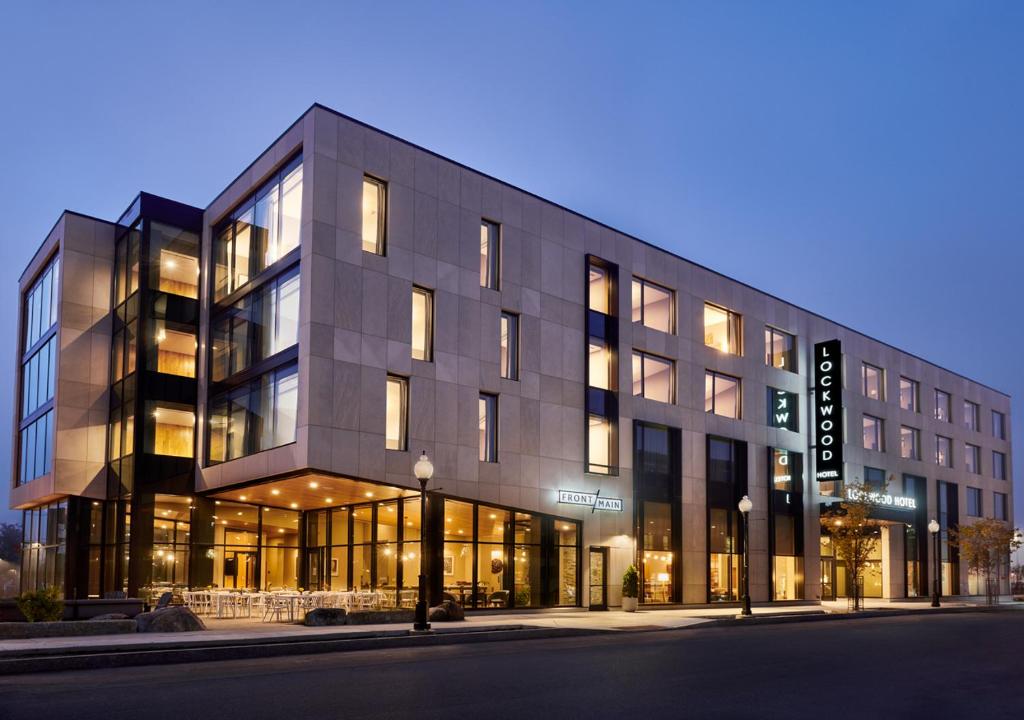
(985, 546)
(853, 541)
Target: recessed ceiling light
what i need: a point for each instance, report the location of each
(216, 502)
(275, 491)
(328, 500)
(493, 516)
(314, 485)
(369, 493)
(243, 498)
(295, 505)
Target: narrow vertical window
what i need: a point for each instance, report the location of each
(874, 435)
(600, 444)
(488, 407)
(942, 406)
(600, 373)
(422, 324)
(910, 443)
(599, 290)
(943, 451)
(374, 203)
(972, 458)
(490, 254)
(998, 465)
(998, 425)
(910, 395)
(397, 414)
(510, 346)
(971, 415)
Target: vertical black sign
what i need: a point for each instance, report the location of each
(828, 411)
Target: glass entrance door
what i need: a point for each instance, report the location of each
(239, 569)
(598, 578)
(315, 568)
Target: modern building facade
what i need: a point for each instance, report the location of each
(235, 397)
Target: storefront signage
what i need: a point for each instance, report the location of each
(828, 411)
(782, 409)
(592, 500)
(901, 502)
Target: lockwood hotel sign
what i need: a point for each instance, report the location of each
(828, 411)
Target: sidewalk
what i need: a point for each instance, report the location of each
(225, 639)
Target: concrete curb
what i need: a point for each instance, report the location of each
(187, 651)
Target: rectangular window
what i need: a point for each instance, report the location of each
(873, 381)
(653, 306)
(36, 448)
(40, 304)
(170, 430)
(172, 348)
(786, 470)
(943, 451)
(599, 289)
(600, 367)
(601, 444)
(874, 478)
(653, 377)
(37, 378)
(253, 417)
(397, 415)
(374, 213)
(874, 435)
(488, 427)
(974, 502)
(261, 230)
(490, 254)
(721, 394)
(971, 415)
(509, 346)
(779, 349)
(999, 506)
(972, 458)
(783, 409)
(173, 260)
(943, 407)
(723, 329)
(422, 324)
(998, 465)
(998, 425)
(910, 443)
(910, 393)
(256, 327)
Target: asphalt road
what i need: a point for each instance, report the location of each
(945, 666)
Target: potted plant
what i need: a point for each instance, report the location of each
(630, 589)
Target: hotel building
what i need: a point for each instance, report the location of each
(235, 396)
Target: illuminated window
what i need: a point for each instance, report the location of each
(943, 451)
(174, 348)
(490, 254)
(653, 306)
(488, 407)
(599, 359)
(723, 329)
(971, 413)
(779, 349)
(509, 346)
(874, 433)
(172, 429)
(653, 377)
(397, 416)
(910, 393)
(374, 204)
(910, 443)
(721, 394)
(173, 260)
(422, 324)
(943, 410)
(972, 458)
(256, 416)
(599, 290)
(600, 444)
(872, 381)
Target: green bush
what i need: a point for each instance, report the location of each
(631, 582)
(46, 605)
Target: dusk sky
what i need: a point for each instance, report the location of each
(862, 160)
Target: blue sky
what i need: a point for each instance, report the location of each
(765, 140)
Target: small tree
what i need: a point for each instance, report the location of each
(985, 546)
(631, 582)
(850, 525)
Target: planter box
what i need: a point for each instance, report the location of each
(26, 630)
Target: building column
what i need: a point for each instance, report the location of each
(893, 562)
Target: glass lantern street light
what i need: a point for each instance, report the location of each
(933, 528)
(423, 470)
(745, 506)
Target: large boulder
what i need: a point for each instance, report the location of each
(171, 619)
(447, 611)
(321, 617)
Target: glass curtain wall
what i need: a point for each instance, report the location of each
(657, 486)
(44, 547)
(727, 483)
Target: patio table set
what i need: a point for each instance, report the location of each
(288, 605)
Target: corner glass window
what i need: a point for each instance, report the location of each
(779, 349)
(256, 416)
(170, 429)
(261, 230)
(40, 303)
(723, 330)
(374, 204)
(653, 306)
(172, 349)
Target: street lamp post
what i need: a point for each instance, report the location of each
(933, 528)
(423, 470)
(745, 506)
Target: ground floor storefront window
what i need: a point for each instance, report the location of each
(836, 581)
(44, 547)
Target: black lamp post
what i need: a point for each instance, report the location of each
(745, 506)
(423, 470)
(933, 528)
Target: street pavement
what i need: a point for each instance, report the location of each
(920, 666)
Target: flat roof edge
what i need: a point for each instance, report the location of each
(49, 232)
